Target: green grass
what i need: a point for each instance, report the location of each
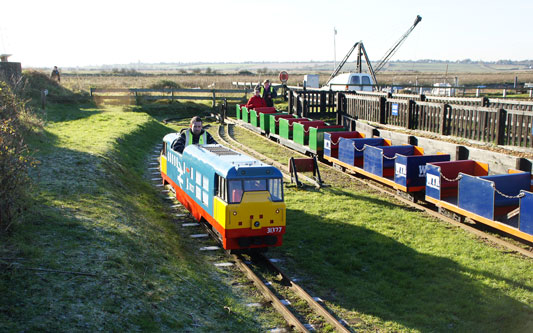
(384, 266)
(379, 265)
(398, 270)
(96, 212)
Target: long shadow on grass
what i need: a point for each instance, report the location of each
(367, 272)
(173, 110)
(97, 214)
(68, 112)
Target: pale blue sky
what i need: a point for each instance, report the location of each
(72, 33)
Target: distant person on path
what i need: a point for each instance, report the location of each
(268, 93)
(55, 74)
(256, 101)
(194, 135)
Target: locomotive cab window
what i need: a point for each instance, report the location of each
(235, 191)
(275, 187)
(221, 188)
(236, 188)
(164, 149)
(255, 185)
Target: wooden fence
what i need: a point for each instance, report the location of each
(134, 95)
(312, 103)
(510, 105)
(488, 124)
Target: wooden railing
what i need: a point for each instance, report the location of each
(487, 124)
(510, 105)
(312, 103)
(134, 95)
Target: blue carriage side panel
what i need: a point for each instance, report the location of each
(352, 148)
(410, 171)
(476, 195)
(376, 159)
(433, 181)
(509, 184)
(327, 144)
(373, 160)
(525, 223)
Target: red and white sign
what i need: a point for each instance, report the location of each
(283, 76)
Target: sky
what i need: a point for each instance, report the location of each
(92, 33)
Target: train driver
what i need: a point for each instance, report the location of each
(193, 135)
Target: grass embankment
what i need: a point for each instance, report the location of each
(100, 250)
(384, 266)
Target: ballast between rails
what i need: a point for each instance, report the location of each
(504, 202)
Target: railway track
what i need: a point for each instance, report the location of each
(509, 246)
(269, 290)
(299, 292)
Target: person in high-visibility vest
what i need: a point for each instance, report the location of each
(194, 135)
(268, 93)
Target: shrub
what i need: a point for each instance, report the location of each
(165, 84)
(245, 72)
(14, 158)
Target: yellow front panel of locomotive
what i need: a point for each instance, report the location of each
(163, 164)
(220, 211)
(256, 211)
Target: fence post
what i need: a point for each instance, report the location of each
(322, 102)
(291, 101)
(523, 164)
(410, 113)
(91, 92)
(442, 123)
(500, 126)
(341, 110)
(382, 104)
(461, 153)
(43, 98)
(223, 110)
(214, 99)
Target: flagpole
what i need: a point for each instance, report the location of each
(334, 49)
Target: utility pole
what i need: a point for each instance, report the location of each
(334, 48)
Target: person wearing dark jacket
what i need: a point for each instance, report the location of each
(194, 135)
(55, 74)
(256, 101)
(268, 93)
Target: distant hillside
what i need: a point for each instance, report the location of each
(433, 66)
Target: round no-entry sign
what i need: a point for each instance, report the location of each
(283, 76)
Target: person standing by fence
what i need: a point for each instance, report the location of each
(268, 92)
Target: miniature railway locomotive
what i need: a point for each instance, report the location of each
(240, 198)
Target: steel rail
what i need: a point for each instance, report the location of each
(244, 149)
(300, 292)
(276, 303)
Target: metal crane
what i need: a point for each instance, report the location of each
(362, 52)
(395, 47)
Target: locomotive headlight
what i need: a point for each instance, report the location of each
(277, 211)
(234, 212)
(257, 224)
